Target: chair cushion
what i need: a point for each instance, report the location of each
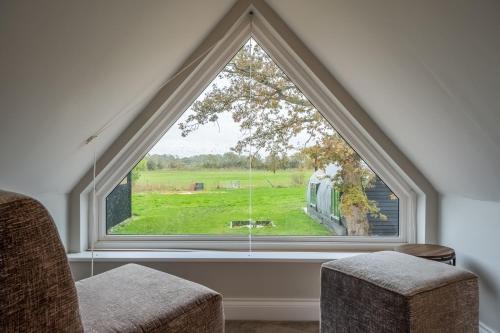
(401, 273)
(134, 298)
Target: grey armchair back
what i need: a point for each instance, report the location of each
(37, 292)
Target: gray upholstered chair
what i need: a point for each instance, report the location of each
(391, 292)
(38, 294)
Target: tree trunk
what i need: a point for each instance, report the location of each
(355, 216)
(357, 223)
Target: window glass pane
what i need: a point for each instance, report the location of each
(304, 178)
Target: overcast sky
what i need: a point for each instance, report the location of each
(211, 138)
(207, 139)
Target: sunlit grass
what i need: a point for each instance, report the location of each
(173, 210)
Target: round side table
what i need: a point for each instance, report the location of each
(429, 251)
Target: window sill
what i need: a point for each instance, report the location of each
(207, 256)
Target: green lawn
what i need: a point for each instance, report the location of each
(183, 180)
(164, 202)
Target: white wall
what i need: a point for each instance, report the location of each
(57, 205)
(251, 290)
(472, 228)
(234, 279)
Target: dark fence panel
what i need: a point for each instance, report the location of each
(119, 203)
(382, 195)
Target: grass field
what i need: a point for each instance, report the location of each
(164, 203)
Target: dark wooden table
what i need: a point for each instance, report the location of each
(429, 251)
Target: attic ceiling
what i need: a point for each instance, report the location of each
(67, 67)
(427, 72)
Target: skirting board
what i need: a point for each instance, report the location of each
(485, 329)
(279, 309)
(282, 309)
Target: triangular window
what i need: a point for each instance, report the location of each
(252, 153)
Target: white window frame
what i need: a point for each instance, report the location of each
(319, 95)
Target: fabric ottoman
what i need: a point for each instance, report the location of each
(394, 292)
(134, 298)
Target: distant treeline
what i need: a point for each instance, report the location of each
(228, 160)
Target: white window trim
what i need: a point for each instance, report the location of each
(209, 256)
(319, 95)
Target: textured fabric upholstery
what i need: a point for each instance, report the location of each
(135, 298)
(394, 292)
(37, 292)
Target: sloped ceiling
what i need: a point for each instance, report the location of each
(67, 67)
(427, 72)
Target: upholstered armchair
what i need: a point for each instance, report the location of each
(38, 294)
